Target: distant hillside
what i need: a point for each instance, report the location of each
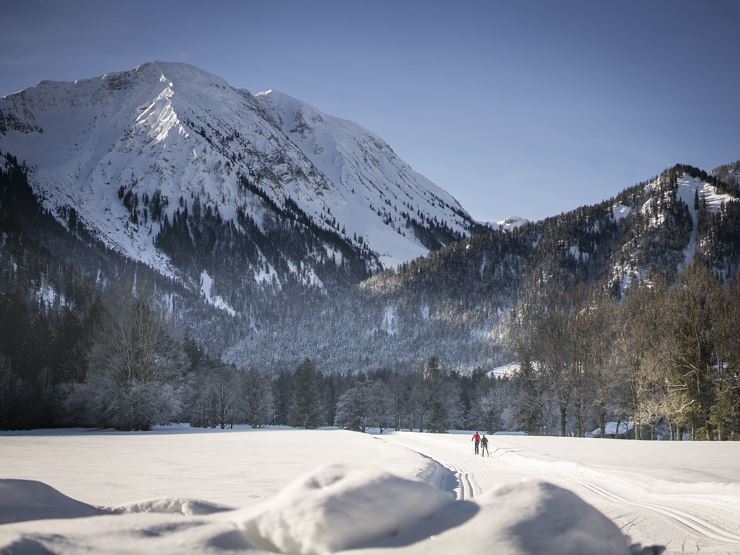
(453, 302)
(266, 231)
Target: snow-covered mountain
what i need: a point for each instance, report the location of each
(660, 225)
(129, 152)
(455, 300)
(365, 172)
(275, 220)
(674, 195)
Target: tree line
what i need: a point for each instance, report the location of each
(122, 364)
(665, 357)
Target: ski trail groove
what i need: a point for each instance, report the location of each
(466, 486)
(441, 475)
(692, 522)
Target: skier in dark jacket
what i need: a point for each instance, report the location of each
(484, 446)
(476, 441)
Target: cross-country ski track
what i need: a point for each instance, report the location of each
(682, 515)
(195, 489)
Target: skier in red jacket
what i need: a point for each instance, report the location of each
(476, 441)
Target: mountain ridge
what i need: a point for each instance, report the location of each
(175, 131)
(244, 216)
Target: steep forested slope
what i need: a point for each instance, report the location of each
(452, 303)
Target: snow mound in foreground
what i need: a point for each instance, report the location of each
(522, 518)
(187, 507)
(539, 517)
(337, 507)
(22, 500)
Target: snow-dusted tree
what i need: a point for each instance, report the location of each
(367, 404)
(133, 367)
(417, 401)
(257, 400)
(11, 395)
(532, 403)
(436, 397)
(305, 406)
(527, 339)
(549, 311)
(196, 408)
(594, 370)
(725, 313)
(601, 378)
(223, 396)
(379, 405)
(352, 409)
(641, 324)
(692, 379)
(401, 398)
(725, 413)
(491, 407)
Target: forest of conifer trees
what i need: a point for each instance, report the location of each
(664, 360)
(624, 332)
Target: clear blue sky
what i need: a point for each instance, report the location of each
(517, 108)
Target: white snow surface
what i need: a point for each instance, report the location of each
(23, 500)
(364, 172)
(532, 495)
(390, 320)
(504, 370)
(512, 222)
(187, 507)
(177, 129)
(206, 286)
(337, 507)
(620, 211)
(688, 188)
(681, 495)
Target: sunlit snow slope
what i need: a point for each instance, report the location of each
(365, 172)
(177, 131)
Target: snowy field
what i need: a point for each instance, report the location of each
(292, 491)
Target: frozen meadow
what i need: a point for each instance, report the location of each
(178, 490)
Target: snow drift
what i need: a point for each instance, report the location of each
(187, 507)
(332, 509)
(22, 500)
(338, 507)
(539, 517)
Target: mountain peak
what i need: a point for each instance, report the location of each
(103, 145)
(367, 172)
(182, 72)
